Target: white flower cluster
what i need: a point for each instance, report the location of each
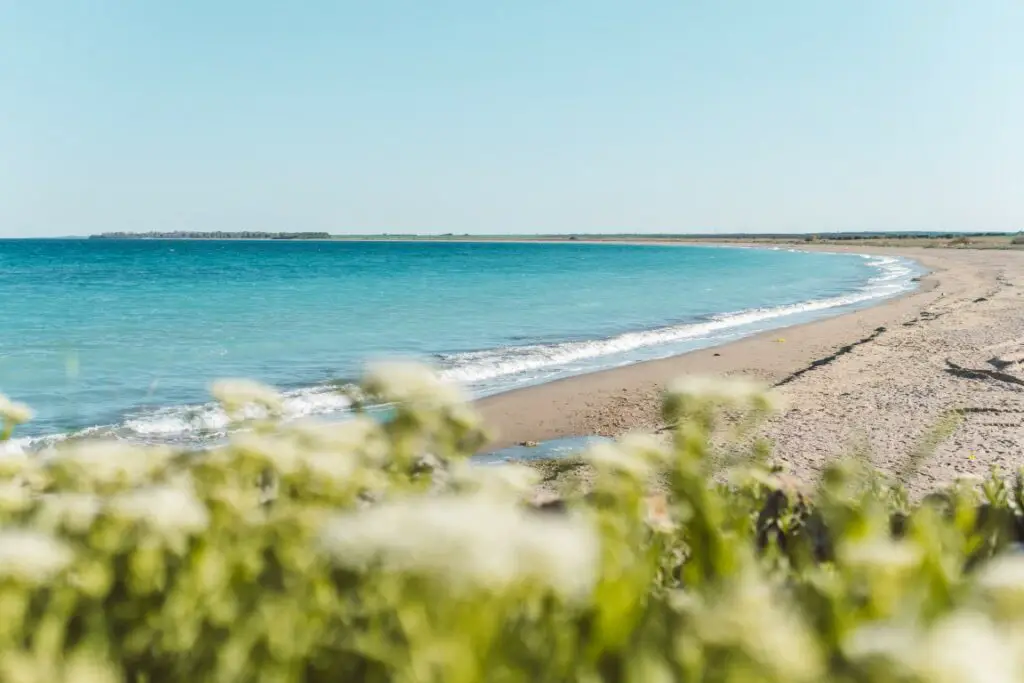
(1003, 576)
(881, 554)
(30, 556)
(16, 463)
(109, 462)
(648, 447)
(14, 497)
(751, 617)
(504, 480)
(280, 452)
(1001, 582)
(337, 468)
(14, 413)
(725, 391)
(347, 436)
(358, 439)
(411, 383)
(289, 456)
(235, 395)
(75, 511)
(965, 647)
(169, 510)
(469, 540)
(611, 458)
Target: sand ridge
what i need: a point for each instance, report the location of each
(876, 380)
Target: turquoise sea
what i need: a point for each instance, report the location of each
(122, 338)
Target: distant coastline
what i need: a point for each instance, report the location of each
(217, 235)
(976, 240)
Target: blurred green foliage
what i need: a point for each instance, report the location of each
(375, 551)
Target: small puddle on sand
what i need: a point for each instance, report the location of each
(544, 450)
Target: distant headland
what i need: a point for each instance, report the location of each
(974, 240)
(217, 235)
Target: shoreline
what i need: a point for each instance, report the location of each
(874, 379)
(36, 440)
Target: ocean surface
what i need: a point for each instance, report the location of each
(122, 338)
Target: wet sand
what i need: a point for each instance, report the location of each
(878, 379)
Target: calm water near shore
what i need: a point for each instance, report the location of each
(121, 338)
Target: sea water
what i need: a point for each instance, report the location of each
(122, 338)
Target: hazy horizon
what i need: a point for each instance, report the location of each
(539, 118)
(375, 235)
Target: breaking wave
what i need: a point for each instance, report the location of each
(475, 367)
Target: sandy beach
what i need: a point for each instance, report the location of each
(875, 380)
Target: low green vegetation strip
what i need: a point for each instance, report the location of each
(369, 551)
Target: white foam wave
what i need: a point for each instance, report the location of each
(210, 419)
(481, 366)
(187, 424)
(13, 447)
(32, 444)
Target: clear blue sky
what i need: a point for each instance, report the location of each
(497, 117)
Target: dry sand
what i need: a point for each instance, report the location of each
(876, 379)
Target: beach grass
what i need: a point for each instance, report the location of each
(370, 551)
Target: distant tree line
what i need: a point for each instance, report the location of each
(215, 235)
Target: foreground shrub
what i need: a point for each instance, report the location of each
(374, 550)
